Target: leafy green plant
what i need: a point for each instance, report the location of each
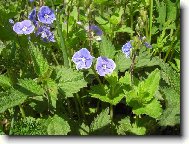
(89, 67)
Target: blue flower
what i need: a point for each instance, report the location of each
(126, 48)
(45, 33)
(95, 29)
(82, 59)
(147, 45)
(32, 16)
(46, 15)
(105, 66)
(31, 0)
(25, 27)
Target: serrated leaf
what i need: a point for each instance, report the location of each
(144, 92)
(112, 78)
(122, 63)
(125, 127)
(41, 65)
(58, 126)
(171, 115)
(100, 122)
(70, 81)
(145, 59)
(125, 79)
(84, 129)
(106, 48)
(161, 8)
(103, 93)
(30, 87)
(153, 109)
(171, 11)
(11, 99)
(151, 84)
(5, 82)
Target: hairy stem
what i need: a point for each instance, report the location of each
(150, 21)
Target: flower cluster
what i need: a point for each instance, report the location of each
(83, 60)
(126, 48)
(41, 21)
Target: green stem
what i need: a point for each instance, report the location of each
(131, 18)
(97, 77)
(111, 112)
(77, 107)
(11, 127)
(22, 111)
(150, 22)
(80, 104)
(54, 57)
(64, 50)
(69, 108)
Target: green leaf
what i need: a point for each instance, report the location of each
(58, 126)
(125, 79)
(30, 87)
(125, 128)
(29, 126)
(161, 8)
(39, 104)
(106, 48)
(69, 81)
(171, 11)
(103, 93)
(40, 63)
(100, 122)
(171, 77)
(112, 78)
(151, 84)
(122, 63)
(145, 91)
(171, 114)
(100, 20)
(52, 88)
(84, 129)
(126, 29)
(5, 82)
(145, 59)
(153, 109)
(100, 1)
(11, 99)
(142, 97)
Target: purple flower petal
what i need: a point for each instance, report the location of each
(25, 27)
(126, 48)
(95, 29)
(82, 59)
(18, 28)
(32, 16)
(46, 15)
(105, 66)
(45, 33)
